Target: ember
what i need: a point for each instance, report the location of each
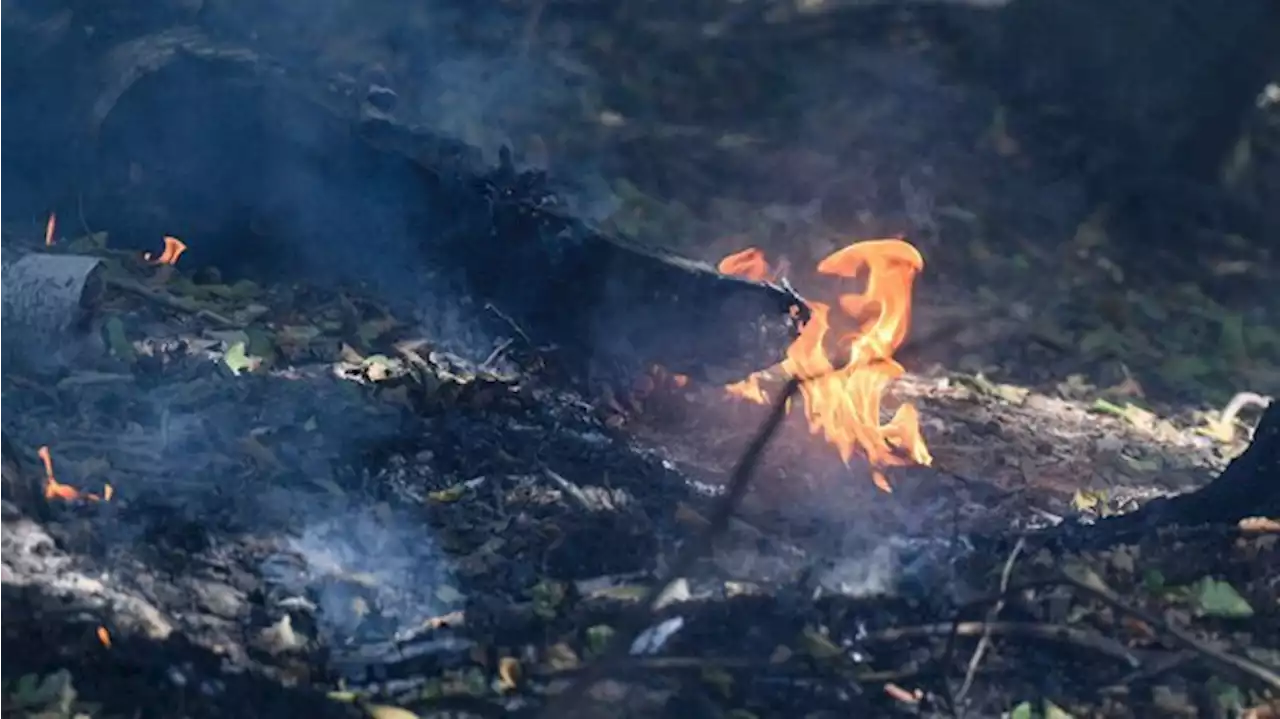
(842, 402)
(53, 489)
(104, 637)
(49, 227)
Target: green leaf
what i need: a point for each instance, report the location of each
(598, 637)
(1228, 697)
(236, 359)
(1053, 711)
(1102, 406)
(547, 597)
(1084, 500)
(117, 341)
(1219, 599)
(386, 711)
(52, 691)
(1153, 580)
(1022, 711)
(718, 678)
(818, 645)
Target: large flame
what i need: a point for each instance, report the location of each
(842, 399)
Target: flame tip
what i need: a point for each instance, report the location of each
(842, 402)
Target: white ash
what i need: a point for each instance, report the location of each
(886, 567)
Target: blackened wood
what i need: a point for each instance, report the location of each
(597, 297)
(1248, 487)
(575, 284)
(50, 309)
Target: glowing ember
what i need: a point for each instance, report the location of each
(53, 489)
(173, 249)
(49, 227)
(842, 402)
(104, 636)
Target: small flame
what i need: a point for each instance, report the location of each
(50, 226)
(173, 249)
(842, 403)
(53, 489)
(749, 263)
(104, 636)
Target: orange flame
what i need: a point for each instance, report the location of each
(53, 489)
(50, 226)
(749, 263)
(842, 402)
(104, 636)
(173, 249)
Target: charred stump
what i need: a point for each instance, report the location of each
(1248, 487)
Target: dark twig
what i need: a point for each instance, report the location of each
(992, 616)
(953, 706)
(1153, 669)
(1218, 656)
(1049, 632)
(511, 323)
(635, 623)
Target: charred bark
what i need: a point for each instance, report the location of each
(255, 162)
(1248, 487)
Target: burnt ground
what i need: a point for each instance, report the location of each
(324, 502)
(325, 510)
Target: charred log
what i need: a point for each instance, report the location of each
(259, 163)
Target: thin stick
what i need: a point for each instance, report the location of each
(635, 623)
(992, 616)
(1049, 632)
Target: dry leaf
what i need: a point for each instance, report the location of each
(508, 673)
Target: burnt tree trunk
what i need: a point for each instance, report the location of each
(1248, 487)
(254, 162)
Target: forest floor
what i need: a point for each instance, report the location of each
(315, 508)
